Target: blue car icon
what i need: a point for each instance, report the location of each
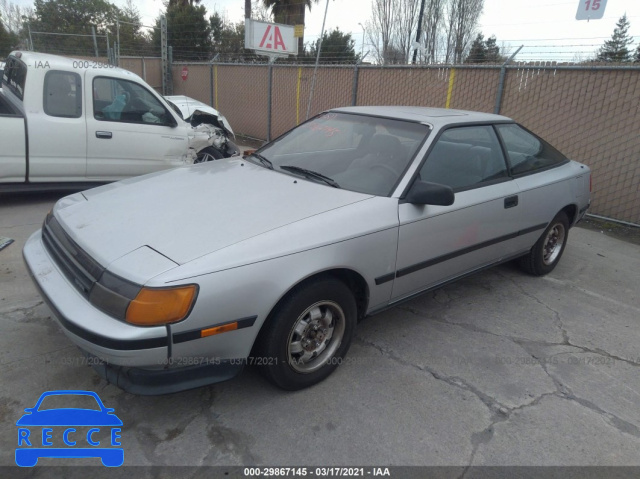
(31, 447)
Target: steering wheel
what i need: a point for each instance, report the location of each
(388, 171)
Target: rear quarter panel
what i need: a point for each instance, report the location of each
(543, 195)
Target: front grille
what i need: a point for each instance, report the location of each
(81, 270)
(109, 293)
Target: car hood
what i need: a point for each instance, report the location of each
(189, 107)
(186, 213)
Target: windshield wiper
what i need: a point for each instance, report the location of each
(263, 160)
(310, 174)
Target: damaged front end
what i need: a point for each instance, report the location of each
(211, 134)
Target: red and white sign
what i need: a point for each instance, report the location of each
(270, 38)
(185, 73)
(591, 9)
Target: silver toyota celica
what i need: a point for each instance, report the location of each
(178, 279)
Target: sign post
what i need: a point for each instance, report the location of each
(591, 9)
(273, 40)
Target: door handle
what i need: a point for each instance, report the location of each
(105, 135)
(511, 201)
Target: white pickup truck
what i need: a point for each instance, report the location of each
(68, 123)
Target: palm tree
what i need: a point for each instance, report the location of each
(290, 12)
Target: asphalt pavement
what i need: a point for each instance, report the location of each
(498, 369)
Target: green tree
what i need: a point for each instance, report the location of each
(484, 51)
(8, 40)
(337, 47)
(132, 40)
(228, 40)
(183, 3)
(617, 48)
(636, 58)
(493, 50)
(290, 12)
(71, 17)
(188, 31)
(478, 51)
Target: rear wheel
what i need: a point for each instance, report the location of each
(546, 253)
(208, 154)
(308, 334)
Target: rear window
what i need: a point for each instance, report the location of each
(15, 76)
(527, 152)
(62, 94)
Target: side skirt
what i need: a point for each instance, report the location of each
(395, 303)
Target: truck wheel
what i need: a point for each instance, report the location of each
(546, 253)
(308, 334)
(208, 154)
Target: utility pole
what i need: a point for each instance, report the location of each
(415, 52)
(247, 8)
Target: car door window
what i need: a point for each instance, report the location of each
(62, 94)
(528, 153)
(127, 102)
(465, 158)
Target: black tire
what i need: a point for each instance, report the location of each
(546, 253)
(299, 322)
(208, 154)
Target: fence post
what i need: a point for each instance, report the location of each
(164, 53)
(30, 39)
(170, 72)
(354, 91)
(503, 74)
(95, 40)
(211, 85)
(269, 93)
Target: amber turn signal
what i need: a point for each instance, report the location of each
(219, 329)
(157, 306)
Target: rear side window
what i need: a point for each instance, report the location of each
(62, 94)
(528, 153)
(15, 76)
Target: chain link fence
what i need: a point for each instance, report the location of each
(590, 113)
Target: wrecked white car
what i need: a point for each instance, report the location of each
(74, 123)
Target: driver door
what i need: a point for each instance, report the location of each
(439, 243)
(129, 131)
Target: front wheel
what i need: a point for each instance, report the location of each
(208, 154)
(546, 253)
(308, 334)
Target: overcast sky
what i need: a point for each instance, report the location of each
(538, 24)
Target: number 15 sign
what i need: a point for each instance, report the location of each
(591, 9)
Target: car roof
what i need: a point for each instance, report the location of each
(434, 116)
(68, 63)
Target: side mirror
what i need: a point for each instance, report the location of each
(171, 122)
(424, 193)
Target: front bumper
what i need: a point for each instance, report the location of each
(147, 382)
(134, 358)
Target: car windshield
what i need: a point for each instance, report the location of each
(354, 152)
